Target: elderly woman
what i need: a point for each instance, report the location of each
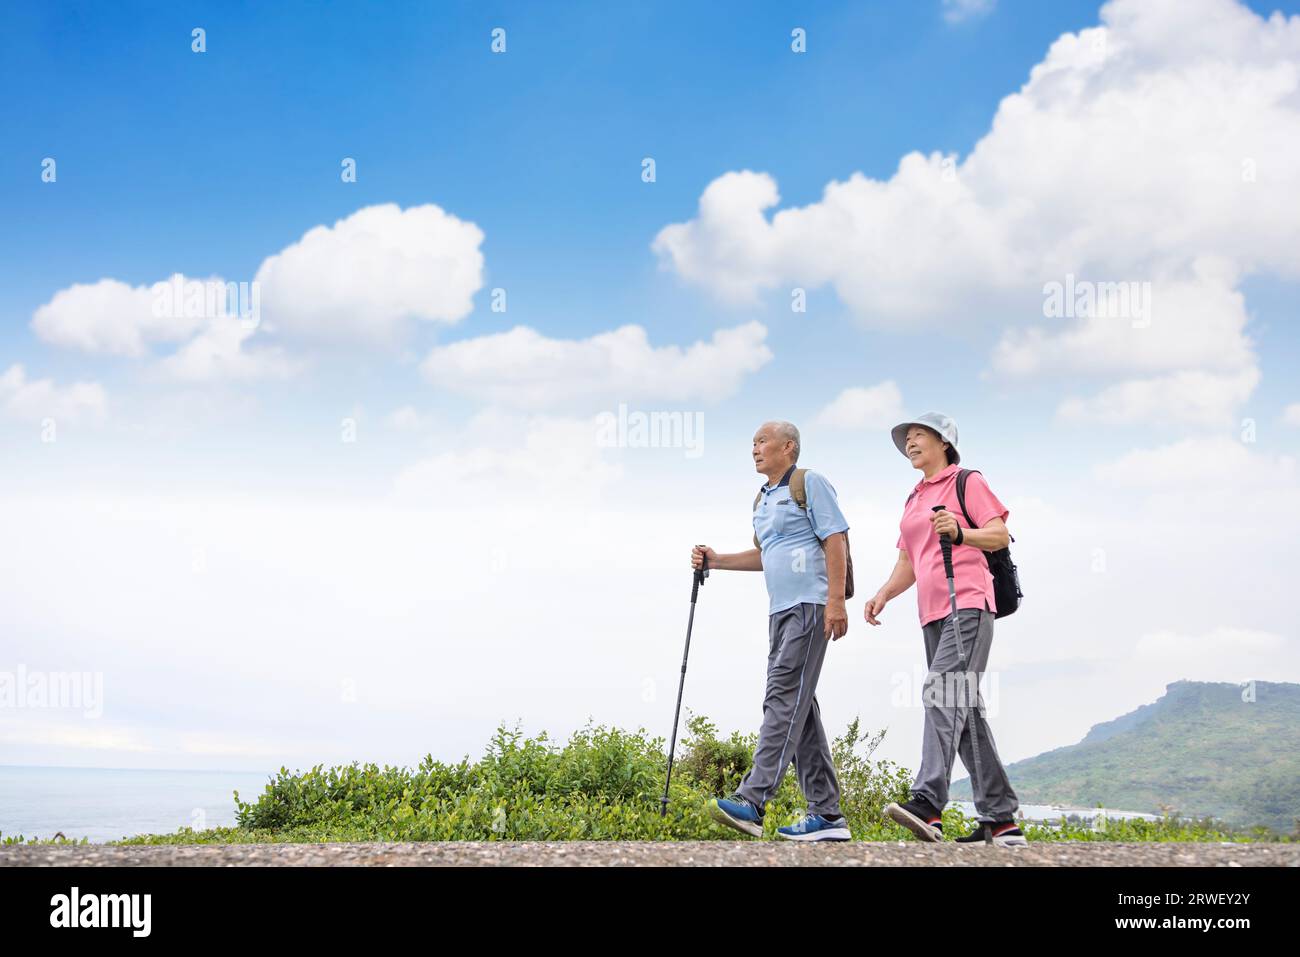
(952, 701)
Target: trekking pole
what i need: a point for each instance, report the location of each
(945, 545)
(701, 573)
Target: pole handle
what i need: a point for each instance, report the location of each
(701, 573)
(945, 545)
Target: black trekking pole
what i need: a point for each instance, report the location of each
(701, 573)
(945, 545)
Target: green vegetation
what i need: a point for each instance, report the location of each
(1206, 750)
(603, 784)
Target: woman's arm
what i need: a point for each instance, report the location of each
(990, 537)
(900, 580)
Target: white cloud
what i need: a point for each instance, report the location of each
(1224, 654)
(111, 317)
(1211, 464)
(1154, 148)
(522, 367)
(958, 11)
(1198, 321)
(1291, 414)
(217, 354)
(365, 277)
(210, 319)
(408, 419)
(879, 406)
(37, 399)
(514, 460)
(1185, 398)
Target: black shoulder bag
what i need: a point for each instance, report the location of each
(1006, 580)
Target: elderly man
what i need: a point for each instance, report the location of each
(801, 547)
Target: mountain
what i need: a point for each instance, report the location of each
(1202, 749)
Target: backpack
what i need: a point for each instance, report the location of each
(799, 493)
(1006, 580)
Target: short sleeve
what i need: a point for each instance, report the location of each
(823, 506)
(981, 503)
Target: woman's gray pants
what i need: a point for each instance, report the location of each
(948, 699)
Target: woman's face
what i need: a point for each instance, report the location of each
(925, 448)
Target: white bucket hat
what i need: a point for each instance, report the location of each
(941, 423)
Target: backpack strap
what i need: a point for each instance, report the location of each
(962, 475)
(798, 491)
(961, 497)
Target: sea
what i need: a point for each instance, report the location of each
(108, 804)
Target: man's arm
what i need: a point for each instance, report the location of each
(837, 618)
(749, 561)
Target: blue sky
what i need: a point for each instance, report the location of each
(207, 164)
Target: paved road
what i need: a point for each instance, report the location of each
(695, 853)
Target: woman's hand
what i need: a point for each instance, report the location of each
(945, 523)
(874, 607)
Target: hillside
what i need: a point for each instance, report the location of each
(1199, 750)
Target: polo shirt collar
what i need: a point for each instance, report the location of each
(785, 480)
(938, 476)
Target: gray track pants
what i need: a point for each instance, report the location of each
(948, 701)
(792, 725)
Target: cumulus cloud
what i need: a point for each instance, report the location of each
(1192, 398)
(362, 280)
(1156, 147)
(874, 407)
(522, 367)
(365, 277)
(34, 400)
(1212, 463)
(508, 458)
(209, 318)
(1291, 414)
(217, 354)
(113, 318)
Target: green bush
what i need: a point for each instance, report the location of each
(602, 784)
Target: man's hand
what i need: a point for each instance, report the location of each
(945, 523)
(875, 605)
(837, 619)
(700, 552)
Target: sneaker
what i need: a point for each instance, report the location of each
(918, 816)
(735, 811)
(814, 827)
(1004, 834)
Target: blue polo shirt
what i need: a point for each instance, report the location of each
(794, 562)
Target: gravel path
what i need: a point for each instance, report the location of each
(627, 853)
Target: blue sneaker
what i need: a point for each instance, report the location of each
(735, 811)
(814, 827)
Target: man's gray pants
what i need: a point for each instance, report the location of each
(948, 701)
(792, 725)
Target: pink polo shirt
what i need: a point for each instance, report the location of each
(917, 538)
